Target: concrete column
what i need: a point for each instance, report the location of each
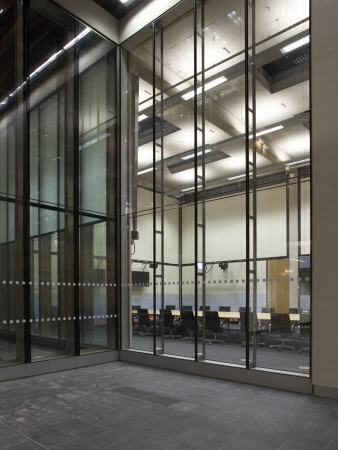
(325, 196)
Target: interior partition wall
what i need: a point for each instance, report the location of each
(215, 185)
(58, 199)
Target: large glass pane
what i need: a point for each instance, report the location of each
(281, 337)
(12, 151)
(237, 241)
(52, 314)
(97, 125)
(97, 311)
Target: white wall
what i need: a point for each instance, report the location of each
(226, 227)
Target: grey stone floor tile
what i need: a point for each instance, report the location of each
(51, 438)
(75, 444)
(136, 440)
(186, 445)
(333, 445)
(12, 439)
(80, 429)
(124, 406)
(294, 445)
(198, 435)
(161, 441)
(168, 426)
(27, 445)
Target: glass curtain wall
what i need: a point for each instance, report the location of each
(216, 251)
(58, 121)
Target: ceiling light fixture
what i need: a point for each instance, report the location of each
(269, 130)
(239, 176)
(298, 162)
(46, 63)
(193, 154)
(124, 1)
(300, 43)
(207, 87)
(145, 171)
(190, 188)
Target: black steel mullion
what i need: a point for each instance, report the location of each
(154, 187)
(203, 171)
(24, 7)
(76, 187)
(247, 183)
(311, 210)
(180, 243)
(118, 240)
(162, 194)
(196, 180)
(254, 187)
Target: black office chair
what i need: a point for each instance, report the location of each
(303, 332)
(267, 309)
(206, 308)
(134, 319)
(187, 325)
(135, 307)
(281, 331)
(169, 328)
(224, 322)
(295, 310)
(144, 322)
(243, 309)
(170, 307)
(186, 308)
(212, 324)
(260, 341)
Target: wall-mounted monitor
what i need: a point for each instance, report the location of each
(140, 278)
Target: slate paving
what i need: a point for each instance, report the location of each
(125, 406)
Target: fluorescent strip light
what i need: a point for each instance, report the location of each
(124, 1)
(239, 176)
(142, 117)
(190, 188)
(193, 154)
(270, 130)
(47, 62)
(145, 171)
(298, 162)
(289, 48)
(77, 38)
(207, 87)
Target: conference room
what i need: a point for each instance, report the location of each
(215, 199)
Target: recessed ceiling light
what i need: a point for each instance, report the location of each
(289, 48)
(124, 1)
(269, 130)
(145, 171)
(239, 176)
(207, 87)
(191, 188)
(298, 162)
(193, 154)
